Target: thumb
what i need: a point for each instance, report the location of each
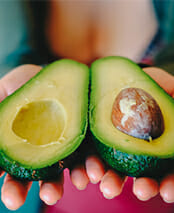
(16, 78)
(164, 79)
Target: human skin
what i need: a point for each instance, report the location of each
(15, 192)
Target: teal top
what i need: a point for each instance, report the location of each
(165, 14)
(14, 34)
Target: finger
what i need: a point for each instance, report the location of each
(1, 173)
(17, 77)
(51, 192)
(14, 192)
(167, 189)
(111, 184)
(145, 188)
(3, 92)
(164, 79)
(79, 177)
(95, 169)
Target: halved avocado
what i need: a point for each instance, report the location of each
(44, 121)
(125, 153)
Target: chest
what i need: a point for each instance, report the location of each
(101, 28)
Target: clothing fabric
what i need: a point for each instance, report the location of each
(14, 34)
(160, 51)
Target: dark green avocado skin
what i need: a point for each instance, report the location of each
(49, 173)
(19, 171)
(134, 165)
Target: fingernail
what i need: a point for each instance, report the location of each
(108, 197)
(81, 187)
(8, 203)
(107, 194)
(140, 196)
(168, 201)
(47, 200)
(93, 179)
(166, 198)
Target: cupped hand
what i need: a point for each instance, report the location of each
(111, 183)
(14, 192)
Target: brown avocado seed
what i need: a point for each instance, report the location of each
(136, 113)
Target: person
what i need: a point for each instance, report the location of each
(76, 40)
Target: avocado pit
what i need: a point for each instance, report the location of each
(136, 113)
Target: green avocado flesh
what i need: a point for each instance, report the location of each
(130, 155)
(44, 121)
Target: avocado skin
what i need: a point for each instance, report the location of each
(52, 172)
(49, 173)
(20, 172)
(134, 165)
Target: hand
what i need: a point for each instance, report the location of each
(111, 183)
(15, 192)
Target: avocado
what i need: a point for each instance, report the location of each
(131, 155)
(45, 121)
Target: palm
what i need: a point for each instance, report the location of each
(14, 192)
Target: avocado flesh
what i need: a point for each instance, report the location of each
(45, 120)
(109, 76)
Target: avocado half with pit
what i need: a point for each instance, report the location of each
(126, 153)
(44, 121)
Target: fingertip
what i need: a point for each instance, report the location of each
(14, 192)
(10, 203)
(51, 192)
(95, 169)
(167, 189)
(79, 177)
(145, 188)
(163, 78)
(2, 173)
(17, 77)
(111, 184)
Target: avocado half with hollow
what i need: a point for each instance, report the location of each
(44, 121)
(130, 155)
